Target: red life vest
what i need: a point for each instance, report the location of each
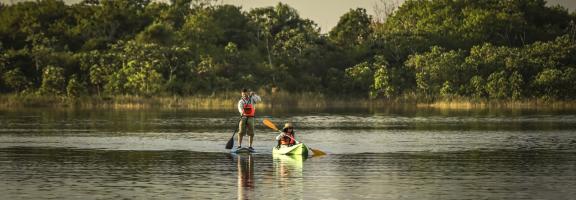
(288, 140)
(249, 109)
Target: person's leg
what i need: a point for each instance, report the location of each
(242, 131)
(250, 129)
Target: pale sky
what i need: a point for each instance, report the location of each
(325, 13)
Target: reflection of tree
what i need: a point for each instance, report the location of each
(245, 176)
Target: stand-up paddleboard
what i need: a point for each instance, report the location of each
(242, 150)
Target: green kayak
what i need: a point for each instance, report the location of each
(298, 149)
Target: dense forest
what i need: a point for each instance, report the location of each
(425, 49)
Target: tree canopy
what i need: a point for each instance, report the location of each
(434, 49)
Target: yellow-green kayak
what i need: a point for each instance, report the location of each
(298, 149)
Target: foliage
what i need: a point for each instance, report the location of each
(437, 70)
(53, 81)
(15, 80)
(352, 29)
(74, 88)
(383, 77)
(433, 49)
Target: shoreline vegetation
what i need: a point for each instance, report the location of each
(281, 101)
(131, 54)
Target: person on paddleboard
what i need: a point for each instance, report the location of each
(287, 137)
(247, 109)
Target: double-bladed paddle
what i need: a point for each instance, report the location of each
(271, 125)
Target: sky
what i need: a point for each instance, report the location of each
(325, 13)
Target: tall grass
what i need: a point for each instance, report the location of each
(504, 104)
(277, 100)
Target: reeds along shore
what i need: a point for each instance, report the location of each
(281, 100)
(275, 101)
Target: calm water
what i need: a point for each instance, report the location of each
(372, 154)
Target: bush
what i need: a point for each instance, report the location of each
(52, 81)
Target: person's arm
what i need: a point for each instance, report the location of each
(241, 107)
(280, 136)
(255, 98)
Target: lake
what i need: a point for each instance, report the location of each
(400, 153)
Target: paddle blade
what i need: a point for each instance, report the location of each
(317, 152)
(230, 143)
(270, 124)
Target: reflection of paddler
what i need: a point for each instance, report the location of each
(288, 165)
(245, 176)
(289, 178)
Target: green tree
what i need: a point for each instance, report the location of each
(497, 85)
(516, 81)
(74, 88)
(214, 27)
(177, 68)
(461, 24)
(548, 83)
(553, 84)
(15, 80)
(139, 70)
(447, 90)
(569, 78)
(477, 87)
(433, 69)
(53, 81)
(158, 33)
(353, 28)
(502, 86)
(176, 12)
(98, 67)
(383, 77)
(487, 58)
(22, 20)
(359, 78)
(292, 46)
(494, 49)
(142, 78)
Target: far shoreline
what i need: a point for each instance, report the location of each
(280, 101)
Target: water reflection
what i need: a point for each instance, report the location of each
(289, 179)
(245, 165)
(59, 173)
(287, 166)
(422, 154)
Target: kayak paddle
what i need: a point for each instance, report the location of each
(271, 125)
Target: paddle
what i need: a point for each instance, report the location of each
(230, 143)
(271, 125)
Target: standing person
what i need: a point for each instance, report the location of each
(287, 137)
(247, 108)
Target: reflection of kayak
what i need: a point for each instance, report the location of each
(298, 149)
(293, 162)
(290, 159)
(242, 150)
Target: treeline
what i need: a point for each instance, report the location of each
(426, 49)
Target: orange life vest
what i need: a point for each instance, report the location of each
(249, 109)
(288, 140)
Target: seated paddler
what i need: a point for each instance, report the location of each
(287, 137)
